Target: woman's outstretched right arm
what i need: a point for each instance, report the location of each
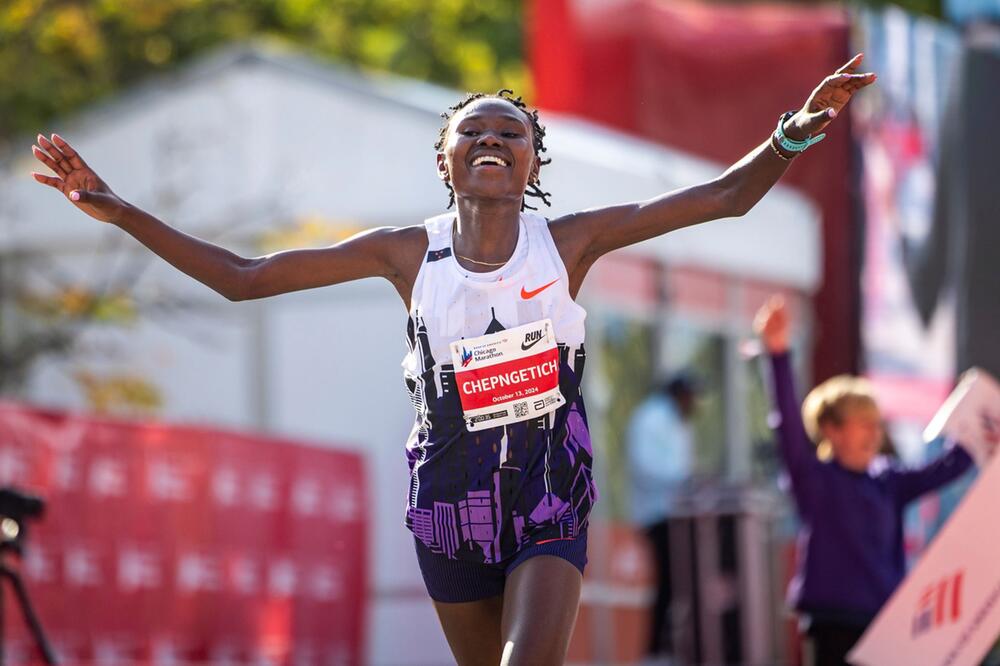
(380, 252)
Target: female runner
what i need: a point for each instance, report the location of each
(500, 455)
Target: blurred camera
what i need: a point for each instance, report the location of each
(16, 507)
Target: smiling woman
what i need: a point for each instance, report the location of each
(522, 123)
(500, 456)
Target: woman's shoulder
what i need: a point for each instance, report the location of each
(406, 246)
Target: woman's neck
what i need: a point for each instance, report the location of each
(486, 231)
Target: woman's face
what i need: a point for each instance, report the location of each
(858, 439)
(489, 152)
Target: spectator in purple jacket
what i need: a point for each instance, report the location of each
(850, 500)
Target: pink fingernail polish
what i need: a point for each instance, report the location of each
(75, 196)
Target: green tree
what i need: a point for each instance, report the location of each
(928, 7)
(56, 55)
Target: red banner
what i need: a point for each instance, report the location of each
(711, 79)
(171, 544)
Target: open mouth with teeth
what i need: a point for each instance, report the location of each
(489, 160)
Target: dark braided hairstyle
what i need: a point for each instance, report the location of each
(538, 134)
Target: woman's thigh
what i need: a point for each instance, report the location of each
(540, 604)
(473, 630)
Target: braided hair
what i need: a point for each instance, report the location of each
(538, 135)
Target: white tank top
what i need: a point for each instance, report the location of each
(483, 495)
(455, 303)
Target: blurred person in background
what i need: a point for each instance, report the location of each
(500, 493)
(850, 500)
(660, 445)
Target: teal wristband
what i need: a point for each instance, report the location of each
(792, 145)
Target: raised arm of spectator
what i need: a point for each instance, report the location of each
(797, 451)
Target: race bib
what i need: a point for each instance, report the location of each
(509, 376)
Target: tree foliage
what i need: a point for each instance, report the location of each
(929, 7)
(56, 55)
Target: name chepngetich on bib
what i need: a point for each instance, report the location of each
(508, 376)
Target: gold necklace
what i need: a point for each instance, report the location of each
(481, 263)
(475, 261)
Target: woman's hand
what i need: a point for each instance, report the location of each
(828, 99)
(771, 324)
(76, 180)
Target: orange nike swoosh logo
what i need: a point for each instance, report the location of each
(525, 294)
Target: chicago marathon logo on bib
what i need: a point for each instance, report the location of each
(508, 376)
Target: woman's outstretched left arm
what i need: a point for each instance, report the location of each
(592, 233)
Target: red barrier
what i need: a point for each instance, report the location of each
(172, 544)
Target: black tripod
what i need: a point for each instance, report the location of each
(15, 510)
(29, 614)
